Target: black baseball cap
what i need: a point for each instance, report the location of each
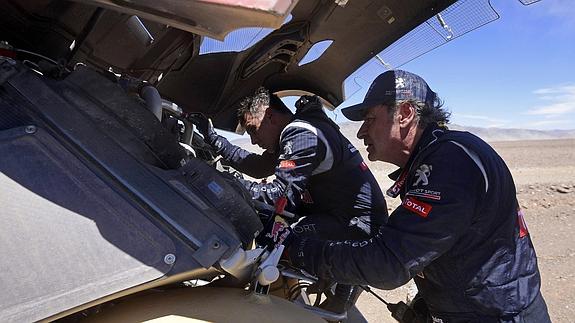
(389, 87)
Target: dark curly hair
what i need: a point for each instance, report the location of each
(257, 104)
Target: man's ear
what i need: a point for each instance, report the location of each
(406, 114)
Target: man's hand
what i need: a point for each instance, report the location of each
(204, 126)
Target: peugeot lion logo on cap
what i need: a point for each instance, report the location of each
(391, 86)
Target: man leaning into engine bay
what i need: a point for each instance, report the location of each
(320, 172)
(459, 231)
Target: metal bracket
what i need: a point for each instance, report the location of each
(210, 252)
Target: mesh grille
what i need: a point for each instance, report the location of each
(528, 2)
(460, 18)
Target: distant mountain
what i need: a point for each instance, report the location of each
(502, 134)
(349, 129)
(488, 134)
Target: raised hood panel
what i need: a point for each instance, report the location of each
(214, 18)
(359, 30)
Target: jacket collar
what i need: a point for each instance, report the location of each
(428, 138)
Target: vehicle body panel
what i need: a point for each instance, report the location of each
(91, 208)
(214, 18)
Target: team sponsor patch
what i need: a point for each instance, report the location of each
(351, 148)
(417, 206)
(396, 188)
(427, 194)
(352, 243)
(287, 164)
(422, 175)
(310, 228)
(279, 230)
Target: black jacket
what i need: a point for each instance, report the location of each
(458, 232)
(327, 173)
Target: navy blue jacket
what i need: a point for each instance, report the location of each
(459, 233)
(327, 173)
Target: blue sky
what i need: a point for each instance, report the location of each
(516, 72)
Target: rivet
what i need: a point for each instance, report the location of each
(170, 259)
(30, 129)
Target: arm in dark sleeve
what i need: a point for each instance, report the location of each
(251, 164)
(413, 237)
(302, 151)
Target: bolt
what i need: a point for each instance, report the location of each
(170, 259)
(30, 129)
(216, 245)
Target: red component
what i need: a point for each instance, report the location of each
(417, 206)
(281, 205)
(522, 224)
(287, 164)
(396, 188)
(7, 53)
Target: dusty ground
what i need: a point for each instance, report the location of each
(544, 173)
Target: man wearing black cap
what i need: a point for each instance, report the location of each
(459, 231)
(321, 173)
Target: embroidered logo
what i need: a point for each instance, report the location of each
(288, 148)
(279, 230)
(304, 228)
(417, 206)
(422, 174)
(395, 189)
(427, 194)
(399, 83)
(287, 164)
(351, 148)
(436, 319)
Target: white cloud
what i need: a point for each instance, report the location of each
(562, 8)
(561, 11)
(563, 89)
(560, 100)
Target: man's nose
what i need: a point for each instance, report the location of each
(362, 131)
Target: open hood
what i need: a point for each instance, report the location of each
(160, 40)
(214, 18)
(215, 82)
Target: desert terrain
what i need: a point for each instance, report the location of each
(544, 173)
